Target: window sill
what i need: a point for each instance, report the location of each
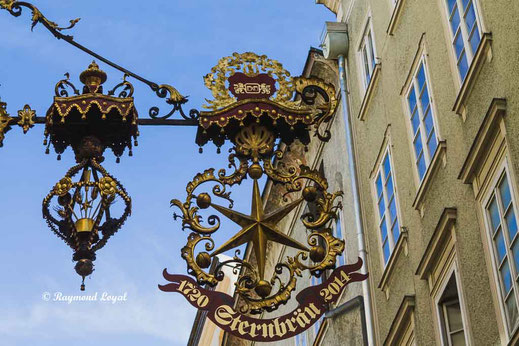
(439, 156)
(401, 245)
(483, 53)
(369, 92)
(395, 17)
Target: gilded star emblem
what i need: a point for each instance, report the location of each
(258, 228)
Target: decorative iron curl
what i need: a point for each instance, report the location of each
(60, 90)
(127, 90)
(174, 98)
(15, 9)
(188, 253)
(190, 217)
(272, 302)
(333, 248)
(309, 89)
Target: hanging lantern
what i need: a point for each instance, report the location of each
(80, 211)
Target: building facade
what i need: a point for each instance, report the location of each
(432, 100)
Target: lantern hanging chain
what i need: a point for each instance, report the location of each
(173, 97)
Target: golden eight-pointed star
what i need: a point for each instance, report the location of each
(258, 228)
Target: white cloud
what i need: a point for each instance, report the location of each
(148, 312)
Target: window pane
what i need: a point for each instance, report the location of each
(425, 99)
(387, 252)
(428, 121)
(338, 230)
(412, 100)
(455, 21)
(463, 66)
(389, 187)
(366, 66)
(511, 309)
(383, 229)
(418, 145)
(432, 145)
(387, 166)
(372, 51)
(454, 316)
(470, 18)
(458, 45)
(494, 214)
(515, 250)
(474, 40)
(500, 246)
(396, 231)
(422, 167)
(381, 207)
(421, 77)
(504, 190)
(451, 4)
(392, 210)
(511, 222)
(465, 2)
(458, 339)
(379, 186)
(415, 121)
(505, 276)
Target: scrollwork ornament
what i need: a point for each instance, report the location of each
(254, 144)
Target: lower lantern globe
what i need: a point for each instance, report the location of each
(80, 212)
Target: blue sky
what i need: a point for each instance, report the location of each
(174, 42)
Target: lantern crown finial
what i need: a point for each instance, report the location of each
(93, 76)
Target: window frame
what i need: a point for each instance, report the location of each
(389, 225)
(341, 237)
(501, 169)
(413, 86)
(453, 270)
(361, 63)
(469, 54)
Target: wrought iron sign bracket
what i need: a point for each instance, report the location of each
(165, 91)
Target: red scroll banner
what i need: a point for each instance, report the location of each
(312, 305)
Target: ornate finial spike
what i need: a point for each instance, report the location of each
(93, 76)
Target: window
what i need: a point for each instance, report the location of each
(465, 29)
(423, 129)
(501, 218)
(387, 206)
(317, 325)
(367, 55)
(338, 234)
(451, 315)
(301, 339)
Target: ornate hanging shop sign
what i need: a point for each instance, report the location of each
(256, 105)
